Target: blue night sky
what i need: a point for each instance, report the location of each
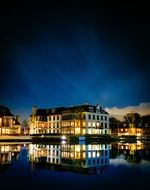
(62, 54)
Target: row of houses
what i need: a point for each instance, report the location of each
(74, 120)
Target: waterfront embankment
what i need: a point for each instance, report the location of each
(15, 138)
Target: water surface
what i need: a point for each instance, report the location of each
(75, 166)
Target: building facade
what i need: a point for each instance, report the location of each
(74, 120)
(8, 124)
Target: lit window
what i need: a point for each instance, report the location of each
(83, 131)
(89, 154)
(89, 147)
(83, 154)
(94, 154)
(89, 124)
(97, 124)
(89, 131)
(93, 124)
(83, 147)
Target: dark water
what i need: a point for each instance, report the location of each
(75, 166)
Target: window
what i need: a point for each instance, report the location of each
(97, 117)
(101, 117)
(89, 116)
(94, 154)
(93, 124)
(57, 117)
(91, 109)
(89, 124)
(105, 118)
(105, 125)
(93, 117)
(54, 117)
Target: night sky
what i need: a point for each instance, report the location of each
(68, 53)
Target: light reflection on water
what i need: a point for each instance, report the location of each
(49, 163)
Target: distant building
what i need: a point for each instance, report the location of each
(74, 120)
(128, 130)
(8, 124)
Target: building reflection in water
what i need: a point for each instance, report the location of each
(131, 152)
(86, 158)
(8, 153)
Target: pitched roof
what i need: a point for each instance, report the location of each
(4, 111)
(60, 110)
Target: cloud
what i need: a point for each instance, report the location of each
(142, 109)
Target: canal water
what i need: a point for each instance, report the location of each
(75, 165)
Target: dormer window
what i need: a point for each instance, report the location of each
(90, 109)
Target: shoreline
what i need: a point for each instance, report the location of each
(71, 138)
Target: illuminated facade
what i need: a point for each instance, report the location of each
(78, 157)
(8, 124)
(45, 121)
(75, 120)
(129, 131)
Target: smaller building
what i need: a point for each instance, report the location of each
(9, 125)
(127, 130)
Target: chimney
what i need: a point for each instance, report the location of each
(34, 109)
(18, 118)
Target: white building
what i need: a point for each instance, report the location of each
(75, 120)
